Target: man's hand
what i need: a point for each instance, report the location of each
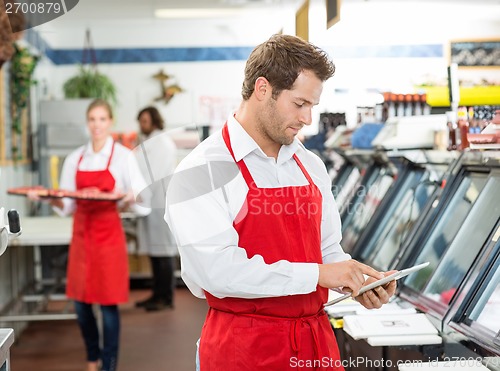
(349, 275)
(378, 296)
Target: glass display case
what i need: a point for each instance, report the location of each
(476, 312)
(455, 225)
(453, 237)
(467, 243)
(344, 182)
(400, 214)
(334, 163)
(348, 179)
(374, 185)
(485, 313)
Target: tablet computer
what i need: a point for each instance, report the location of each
(395, 276)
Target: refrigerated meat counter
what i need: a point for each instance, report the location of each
(348, 178)
(457, 233)
(370, 188)
(390, 185)
(473, 320)
(418, 184)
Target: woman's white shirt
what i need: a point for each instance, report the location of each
(123, 167)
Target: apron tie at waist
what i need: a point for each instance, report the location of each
(295, 336)
(295, 326)
(295, 332)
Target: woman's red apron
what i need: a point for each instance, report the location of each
(279, 333)
(98, 262)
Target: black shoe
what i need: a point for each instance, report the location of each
(143, 303)
(155, 305)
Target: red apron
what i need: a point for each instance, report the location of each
(98, 262)
(278, 333)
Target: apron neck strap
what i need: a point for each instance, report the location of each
(243, 167)
(241, 164)
(111, 155)
(109, 160)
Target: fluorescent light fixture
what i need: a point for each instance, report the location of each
(198, 12)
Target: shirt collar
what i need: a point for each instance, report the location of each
(247, 145)
(105, 151)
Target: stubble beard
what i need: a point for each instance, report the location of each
(270, 125)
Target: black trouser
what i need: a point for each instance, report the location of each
(163, 278)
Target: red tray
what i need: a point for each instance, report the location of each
(60, 193)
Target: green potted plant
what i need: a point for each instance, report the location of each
(90, 83)
(22, 67)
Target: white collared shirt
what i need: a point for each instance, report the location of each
(204, 198)
(123, 167)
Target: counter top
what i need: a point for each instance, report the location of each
(44, 230)
(49, 230)
(6, 340)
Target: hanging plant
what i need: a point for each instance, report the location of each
(22, 66)
(89, 83)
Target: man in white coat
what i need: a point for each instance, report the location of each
(158, 160)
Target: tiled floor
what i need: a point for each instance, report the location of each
(150, 341)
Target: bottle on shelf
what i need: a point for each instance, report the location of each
(417, 107)
(463, 127)
(379, 112)
(426, 109)
(400, 110)
(408, 105)
(385, 106)
(451, 118)
(391, 111)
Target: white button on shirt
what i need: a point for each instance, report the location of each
(123, 167)
(204, 198)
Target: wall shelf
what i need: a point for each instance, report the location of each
(437, 96)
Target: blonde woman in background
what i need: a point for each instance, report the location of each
(97, 270)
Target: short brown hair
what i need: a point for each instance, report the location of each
(100, 103)
(281, 59)
(155, 115)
